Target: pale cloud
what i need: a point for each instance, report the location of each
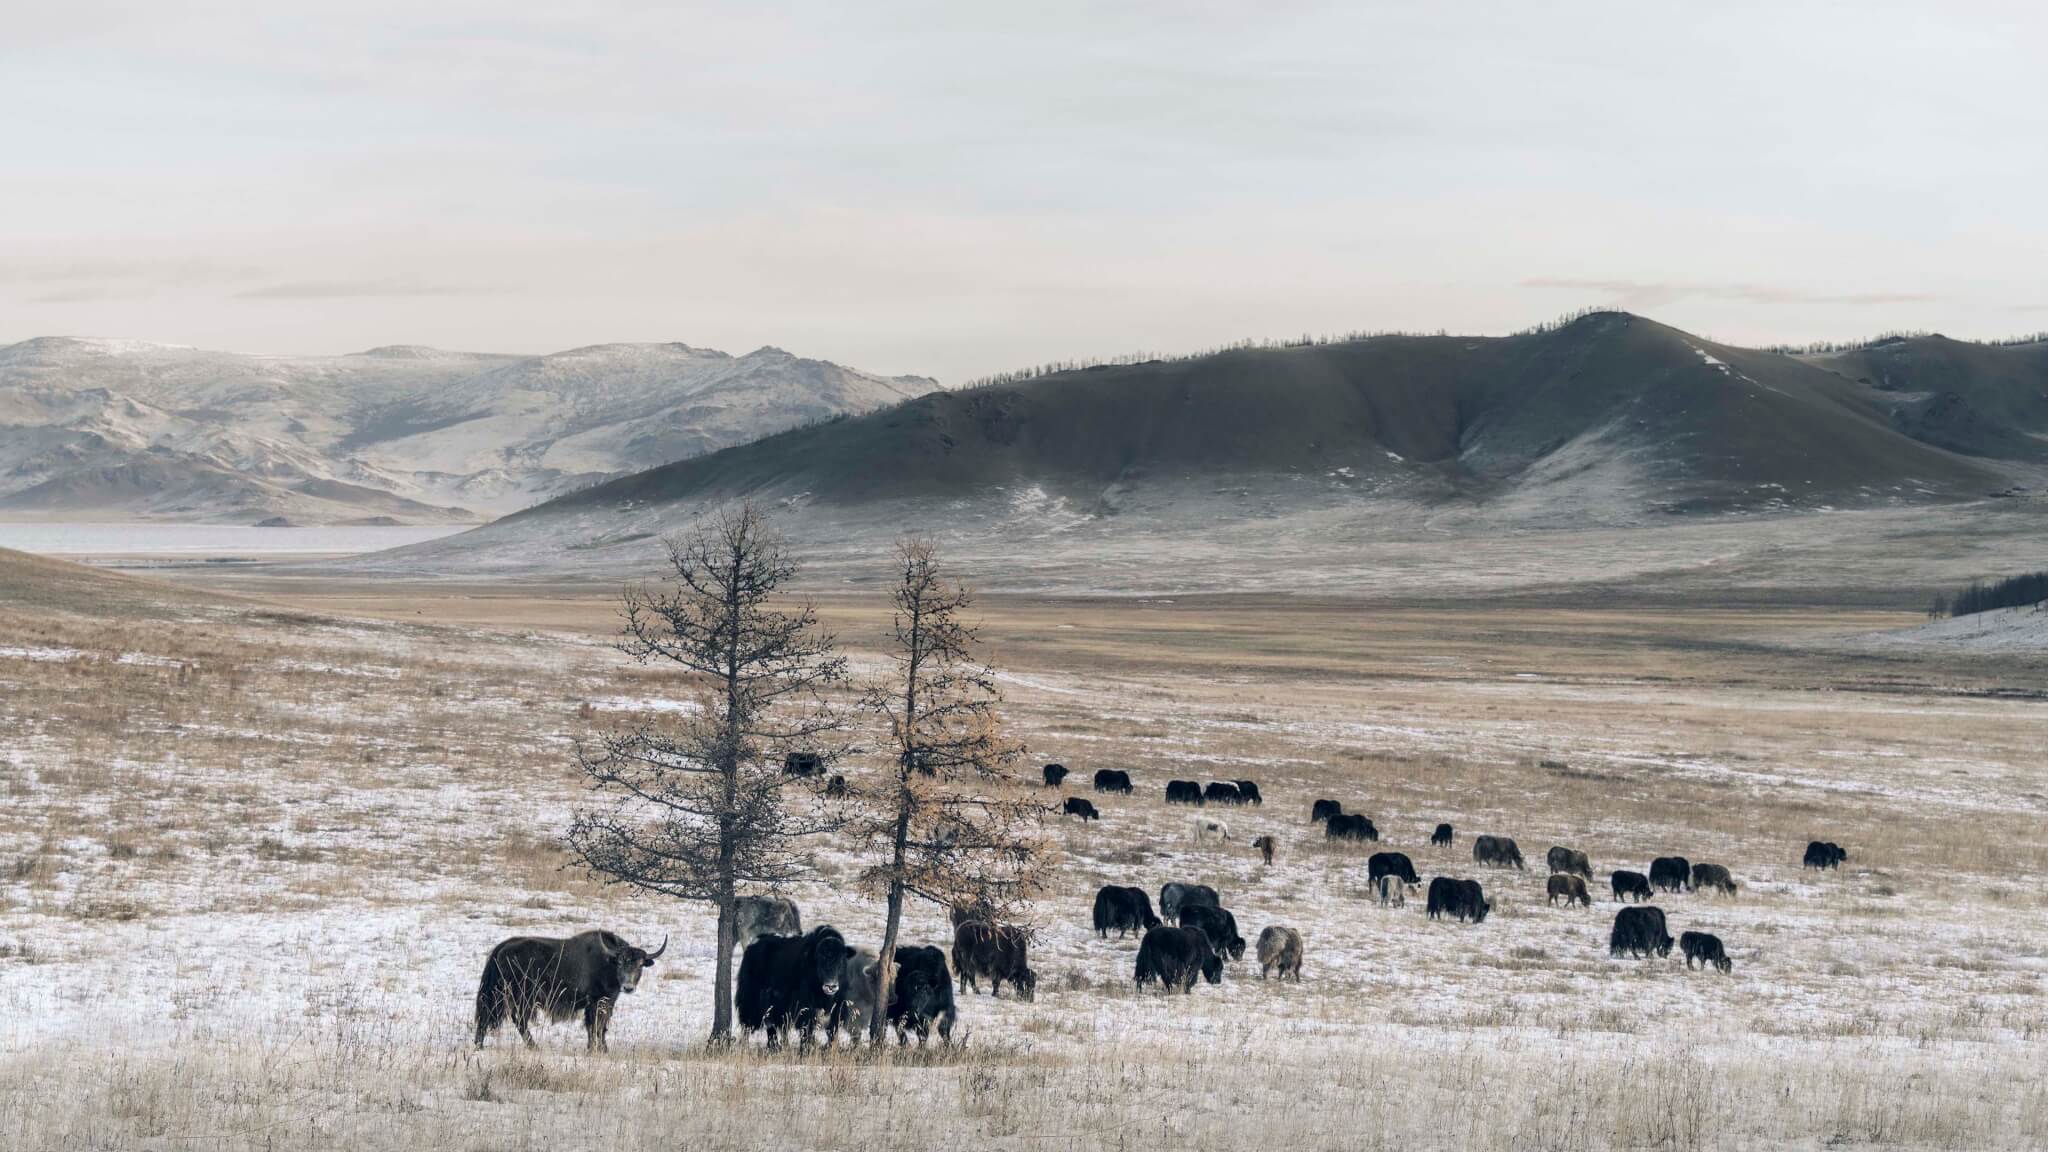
(956, 189)
(344, 289)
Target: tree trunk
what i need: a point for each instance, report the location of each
(721, 984)
(905, 764)
(886, 978)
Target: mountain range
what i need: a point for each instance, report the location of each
(107, 429)
(1609, 421)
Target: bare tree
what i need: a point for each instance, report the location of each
(694, 801)
(940, 822)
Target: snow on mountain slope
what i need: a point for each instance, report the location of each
(118, 429)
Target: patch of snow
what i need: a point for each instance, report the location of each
(41, 655)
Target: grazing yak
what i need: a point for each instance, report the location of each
(1562, 859)
(1218, 792)
(1627, 884)
(1174, 897)
(997, 953)
(1324, 809)
(1671, 874)
(802, 764)
(1079, 806)
(1124, 909)
(1463, 899)
(1184, 792)
(1208, 828)
(1714, 877)
(1391, 864)
(530, 976)
(1497, 851)
(1347, 826)
(1280, 949)
(1639, 931)
(1054, 774)
(1705, 947)
(1442, 836)
(1173, 956)
(1248, 793)
(791, 982)
(1391, 891)
(860, 987)
(1823, 854)
(922, 995)
(835, 789)
(756, 916)
(1113, 780)
(1218, 925)
(1266, 846)
(1570, 886)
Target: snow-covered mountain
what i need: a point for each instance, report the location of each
(123, 429)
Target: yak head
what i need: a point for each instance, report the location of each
(628, 962)
(1236, 948)
(923, 983)
(828, 959)
(1212, 968)
(1027, 984)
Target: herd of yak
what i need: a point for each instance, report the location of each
(793, 981)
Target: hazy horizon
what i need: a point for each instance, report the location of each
(919, 189)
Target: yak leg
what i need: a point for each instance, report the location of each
(521, 1017)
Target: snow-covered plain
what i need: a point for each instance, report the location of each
(250, 864)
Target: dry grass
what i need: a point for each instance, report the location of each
(245, 881)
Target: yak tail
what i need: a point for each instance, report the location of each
(490, 999)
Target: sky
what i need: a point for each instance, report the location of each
(953, 189)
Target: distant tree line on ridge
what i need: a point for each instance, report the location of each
(2011, 592)
(1822, 347)
(1305, 340)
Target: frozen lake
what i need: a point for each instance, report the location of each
(205, 541)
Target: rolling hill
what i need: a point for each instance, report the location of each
(1664, 420)
(102, 429)
(1977, 399)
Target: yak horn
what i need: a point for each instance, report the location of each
(658, 951)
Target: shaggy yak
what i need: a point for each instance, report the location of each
(1572, 888)
(1704, 947)
(540, 975)
(1280, 950)
(1124, 909)
(1173, 956)
(792, 982)
(1497, 851)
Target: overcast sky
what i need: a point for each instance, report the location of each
(957, 188)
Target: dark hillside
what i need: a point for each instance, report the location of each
(1976, 399)
(1687, 423)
